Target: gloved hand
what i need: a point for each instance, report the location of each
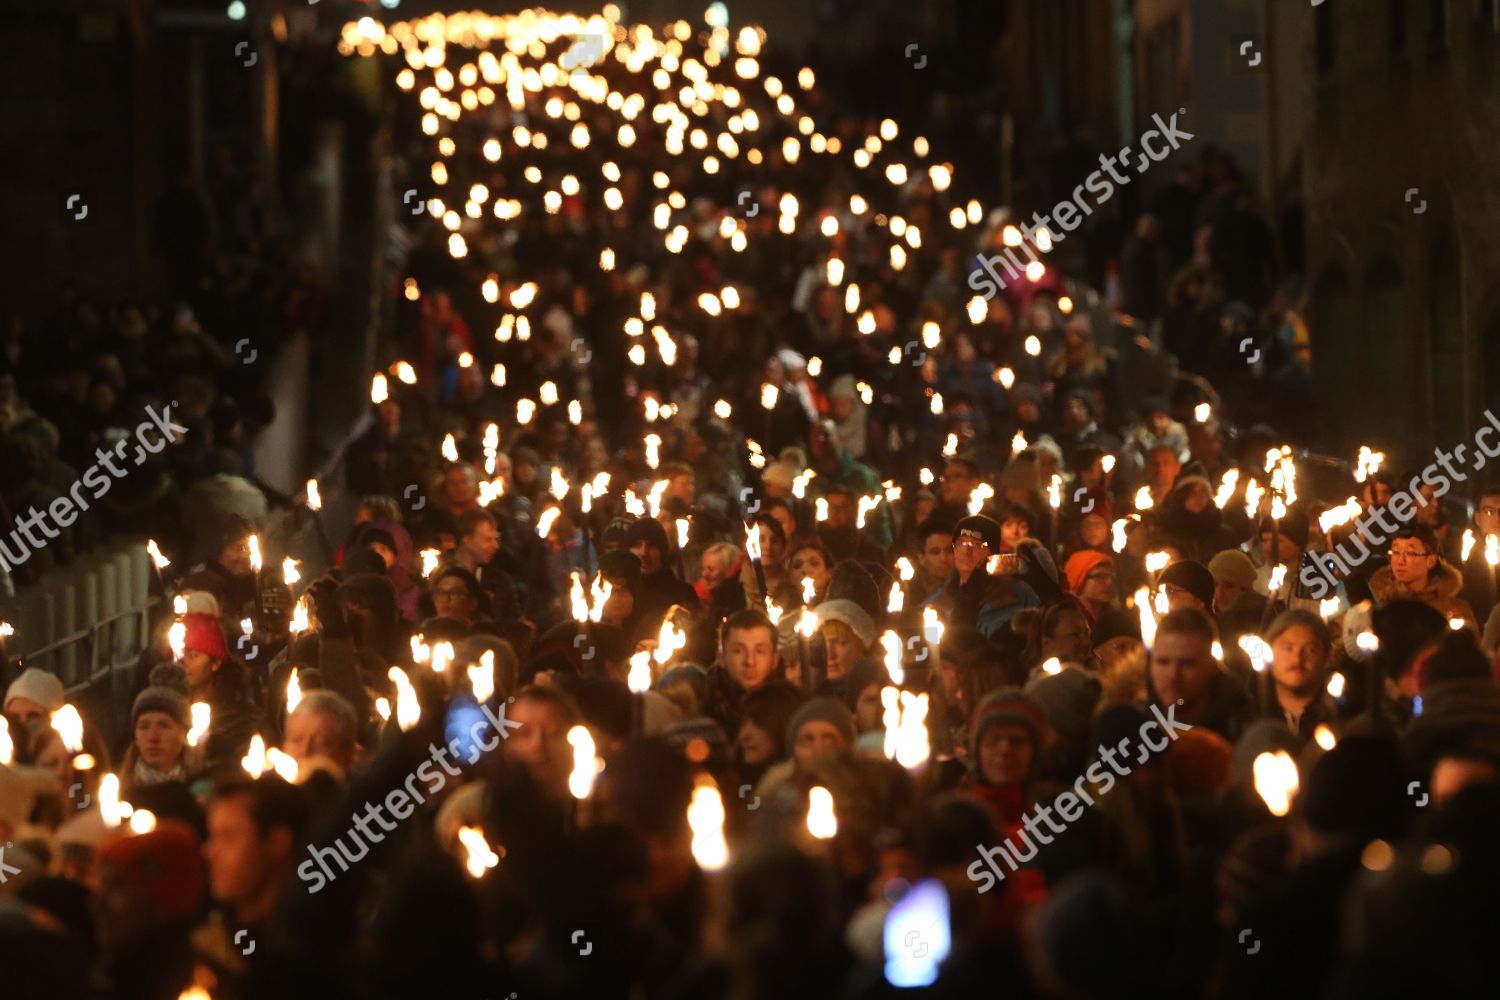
(328, 605)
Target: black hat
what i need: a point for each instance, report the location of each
(981, 527)
(650, 531)
(1293, 527)
(618, 532)
(1193, 577)
(620, 567)
(374, 536)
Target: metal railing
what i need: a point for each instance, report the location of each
(122, 648)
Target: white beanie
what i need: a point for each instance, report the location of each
(36, 684)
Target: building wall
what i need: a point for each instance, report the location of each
(1402, 300)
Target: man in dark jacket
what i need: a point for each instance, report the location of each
(658, 588)
(971, 596)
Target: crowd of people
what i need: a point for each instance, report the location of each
(752, 579)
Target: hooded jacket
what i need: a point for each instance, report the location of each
(986, 602)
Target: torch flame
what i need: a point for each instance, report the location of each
(705, 816)
(69, 726)
(932, 627)
(1256, 648)
(668, 641)
(299, 622)
(478, 855)
(314, 498)
(912, 744)
(161, 561)
(254, 761)
(1148, 619)
(821, 821)
(577, 601)
(639, 678)
(111, 809)
(482, 677)
(600, 590)
(201, 719)
(1276, 781)
(284, 764)
(893, 650)
(890, 698)
(408, 709)
(1227, 486)
(581, 780)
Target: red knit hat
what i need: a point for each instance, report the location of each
(164, 864)
(205, 636)
(1080, 564)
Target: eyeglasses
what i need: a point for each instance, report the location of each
(451, 592)
(1490, 510)
(968, 543)
(1410, 555)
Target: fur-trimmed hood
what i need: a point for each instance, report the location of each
(1441, 593)
(1443, 585)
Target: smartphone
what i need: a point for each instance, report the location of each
(917, 937)
(463, 721)
(1006, 564)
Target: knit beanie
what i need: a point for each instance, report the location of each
(200, 602)
(204, 636)
(1079, 565)
(36, 684)
(1193, 577)
(164, 864)
(165, 700)
(1233, 566)
(1067, 699)
(824, 709)
(1199, 763)
(1009, 706)
(700, 740)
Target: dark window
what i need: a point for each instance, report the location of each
(1437, 25)
(1323, 36)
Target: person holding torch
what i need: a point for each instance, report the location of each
(972, 596)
